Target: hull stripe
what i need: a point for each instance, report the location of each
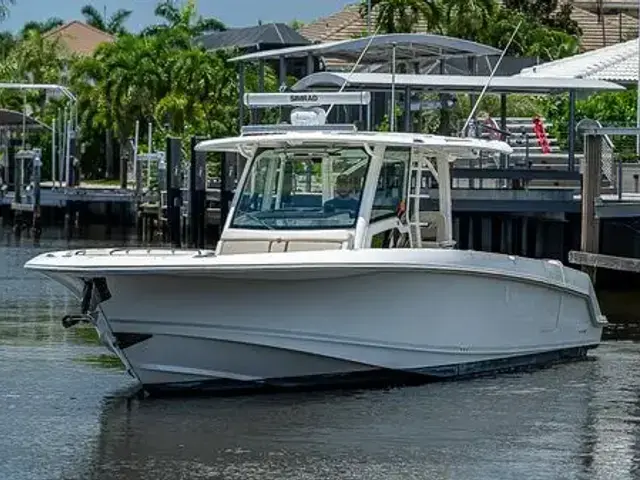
(376, 377)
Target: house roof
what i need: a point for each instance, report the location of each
(348, 23)
(616, 63)
(608, 30)
(453, 83)
(78, 37)
(608, 5)
(271, 35)
(342, 25)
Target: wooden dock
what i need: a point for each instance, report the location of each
(610, 262)
(510, 208)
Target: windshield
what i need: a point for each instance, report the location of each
(303, 188)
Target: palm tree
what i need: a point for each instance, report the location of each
(7, 42)
(34, 59)
(296, 25)
(113, 24)
(403, 16)
(467, 18)
(175, 17)
(4, 8)
(41, 27)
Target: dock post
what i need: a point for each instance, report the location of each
(486, 230)
(174, 190)
(470, 242)
(138, 197)
(67, 218)
(524, 239)
(36, 176)
(591, 179)
(197, 195)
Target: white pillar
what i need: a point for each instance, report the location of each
(444, 189)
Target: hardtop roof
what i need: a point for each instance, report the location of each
(395, 139)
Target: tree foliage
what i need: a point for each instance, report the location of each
(612, 109)
(161, 76)
(532, 39)
(4, 8)
(398, 16)
(113, 24)
(545, 34)
(548, 12)
(41, 27)
(185, 19)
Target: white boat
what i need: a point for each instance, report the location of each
(327, 272)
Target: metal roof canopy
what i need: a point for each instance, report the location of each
(461, 66)
(408, 46)
(455, 83)
(270, 35)
(12, 120)
(617, 63)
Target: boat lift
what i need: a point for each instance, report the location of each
(64, 131)
(28, 165)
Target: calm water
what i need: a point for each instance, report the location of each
(65, 416)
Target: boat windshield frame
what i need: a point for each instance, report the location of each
(252, 212)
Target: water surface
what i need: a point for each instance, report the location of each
(64, 415)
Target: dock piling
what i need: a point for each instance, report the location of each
(197, 195)
(36, 178)
(174, 190)
(591, 180)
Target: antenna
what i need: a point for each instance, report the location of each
(346, 82)
(493, 72)
(392, 114)
(307, 114)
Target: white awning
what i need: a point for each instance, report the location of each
(454, 83)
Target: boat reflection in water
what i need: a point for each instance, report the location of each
(576, 421)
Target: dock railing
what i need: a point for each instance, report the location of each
(607, 148)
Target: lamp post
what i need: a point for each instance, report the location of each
(369, 17)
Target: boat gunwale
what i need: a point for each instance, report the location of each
(207, 270)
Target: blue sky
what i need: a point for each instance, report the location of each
(232, 12)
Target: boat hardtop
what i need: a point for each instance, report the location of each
(452, 145)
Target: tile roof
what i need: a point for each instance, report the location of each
(79, 38)
(348, 23)
(612, 29)
(338, 26)
(616, 63)
(607, 5)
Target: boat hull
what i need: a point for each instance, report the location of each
(343, 324)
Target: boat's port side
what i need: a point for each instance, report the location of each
(92, 292)
(373, 377)
(126, 340)
(224, 333)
